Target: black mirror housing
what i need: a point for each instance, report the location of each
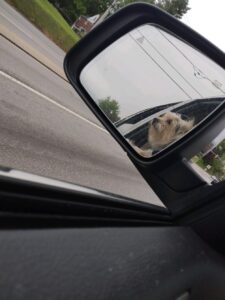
(169, 173)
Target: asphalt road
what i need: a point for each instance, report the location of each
(46, 129)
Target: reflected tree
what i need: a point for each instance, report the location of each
(111, 108)
(214, 161)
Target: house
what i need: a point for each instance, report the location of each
(84, 24)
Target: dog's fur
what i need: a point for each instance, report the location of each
(164, 130)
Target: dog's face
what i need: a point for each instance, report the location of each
(166, 129)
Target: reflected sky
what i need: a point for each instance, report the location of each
(149, 67)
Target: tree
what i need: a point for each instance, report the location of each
(95, 7)
(69, 9)
(175, 7)
(72, 9)
(111, 108)
(178, 8)
(220, 149)
(217, 168)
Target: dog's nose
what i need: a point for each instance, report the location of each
(155, 121)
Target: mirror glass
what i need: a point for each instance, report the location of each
(153, 87)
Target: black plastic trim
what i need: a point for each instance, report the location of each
(24, 198)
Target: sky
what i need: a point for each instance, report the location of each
(149, 67)
(208, 18)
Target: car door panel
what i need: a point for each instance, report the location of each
(109, 263)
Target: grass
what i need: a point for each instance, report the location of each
(47, 18)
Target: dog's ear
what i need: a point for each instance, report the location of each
(179, 115)
(162, 115)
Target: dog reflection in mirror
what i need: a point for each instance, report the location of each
(164, 130)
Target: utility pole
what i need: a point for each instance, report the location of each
(105, 14)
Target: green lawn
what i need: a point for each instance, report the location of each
(47, 18)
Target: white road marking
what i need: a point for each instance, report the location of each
(50, 100)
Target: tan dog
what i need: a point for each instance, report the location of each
(164, 130)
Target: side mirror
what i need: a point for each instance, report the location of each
(158, 87)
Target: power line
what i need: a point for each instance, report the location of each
(160, 67)
(197, 71)
(170, 64)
